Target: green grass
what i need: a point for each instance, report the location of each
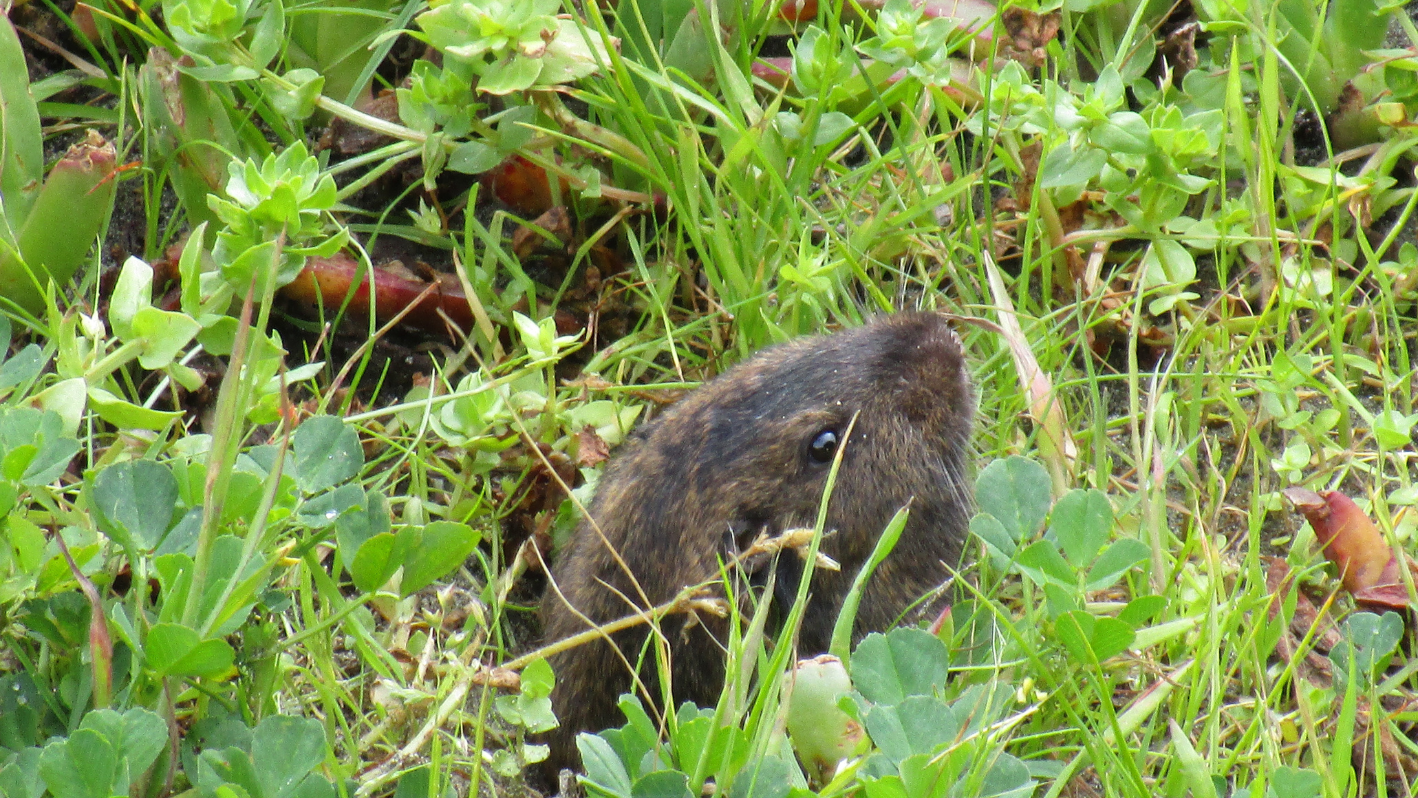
(1183, 293)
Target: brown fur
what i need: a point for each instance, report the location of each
(698, 484)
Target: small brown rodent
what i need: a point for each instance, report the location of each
(750, 452)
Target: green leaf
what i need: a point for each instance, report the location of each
(1116, 560)
(918, 725)
(286, 749)
(832, 126)
(20, 778)
(43, 430)
(537, 679)
(298, 103)
(1081, 523)
(325, 452)
(164, 333)
(269, 35)
(1110, 638)
(513, 73)
(473, 158)
(134, 502)
(905, 662)
(1293, 782)
(1016, 491)
(1008, 776)
(1074, 629)
(1195, 771)
(379, 558)
(353, 528)
(441, 548)
(138, 735)
(125, 415)
(1167, 264)
(22, 156)
(662, 784)
(1370, 641)
(1063, 166)
(177, 650)
(1124, 132)
(998, 543)
(1142, 609)
(769, 777)
(1042, 563)
(24, 366)
(9, 497)
(257, 262)
(220, 73)
(325, 509)
(1088, 638)
(604, 770)
(83, 766)
(132, 292)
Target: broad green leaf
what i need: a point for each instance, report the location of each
(43, 430)
(1117, 559)
(132, 292)
(605, 773)
(769, 777)
(286, 749)
(1088, 638)
(379, 558)
(917, 725)
(1292, 782)
(164, 333)
(1001, 547)
(473, 158)
(325, 452)
(905, 662)
(1370, 640)
(661, 784)
(177, 650)
(325, 509)
(134, 502)
(137, 736)
(1064, 166)
(83, 766)
(124, 414)
(1081, 523)
(1016, 491)
(442, 547)
(1167, 264)
(1042, 563)
(20, 778)
(22, 156)
(23, 367)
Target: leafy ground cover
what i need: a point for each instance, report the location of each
(320, 319)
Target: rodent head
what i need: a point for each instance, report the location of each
(751, 450)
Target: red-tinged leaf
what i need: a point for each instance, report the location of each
(71, 208)
(591, 450)
(327, 281)
(1349, 539)
(798, 10)
(776, 71)
(523, 185)
(100, 644)
(556, 222)
(1383, 597)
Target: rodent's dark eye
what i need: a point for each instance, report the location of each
(823, 446)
